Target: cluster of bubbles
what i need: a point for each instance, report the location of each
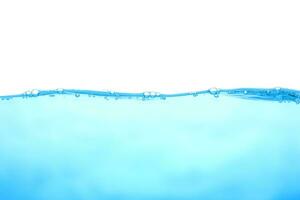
(31, 93)
(277, 93)
(151, 94)
(112, 95)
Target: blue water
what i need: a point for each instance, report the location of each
(215, 144)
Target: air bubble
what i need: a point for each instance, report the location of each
(117, 96)
(35, 92)
(6, 98)
(59, 90)
(214, 91)
(27, 93)
(31, 93)
(245, 92)
(277, 88)
(77, 95)
(147, 94)
(151, 94)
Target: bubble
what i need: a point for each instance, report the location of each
(35, 92)
(163, 97)
(245, 92)
(195, 94)
(77, 95)
(277, 88)
(147, 94)
(31, 93)
(214, 91)
(6, 98)
(59, 90)
(27, 93)
(117, 96)
(151, 94)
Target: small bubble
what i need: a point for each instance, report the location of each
(194, 94)
(77, 95)
(152, 94)
(27, 93)
(59, 90)
(281, 100)
(163, 97)
(147, 94)
(117, 96)
(35, 92)
(214, 91)
(297, 101)
(245, 92)
(6, 98)
(277, 88)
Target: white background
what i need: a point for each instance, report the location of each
(166, 46)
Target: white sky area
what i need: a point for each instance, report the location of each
(161, 45)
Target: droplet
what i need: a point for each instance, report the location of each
(214, 91)
(77, 95)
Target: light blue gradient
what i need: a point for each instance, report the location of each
(181, 148)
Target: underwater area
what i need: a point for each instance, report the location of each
(216, 144)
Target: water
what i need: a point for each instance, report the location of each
(79, 144)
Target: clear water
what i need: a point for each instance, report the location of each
(216, 144)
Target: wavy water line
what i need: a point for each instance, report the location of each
(268, 94)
